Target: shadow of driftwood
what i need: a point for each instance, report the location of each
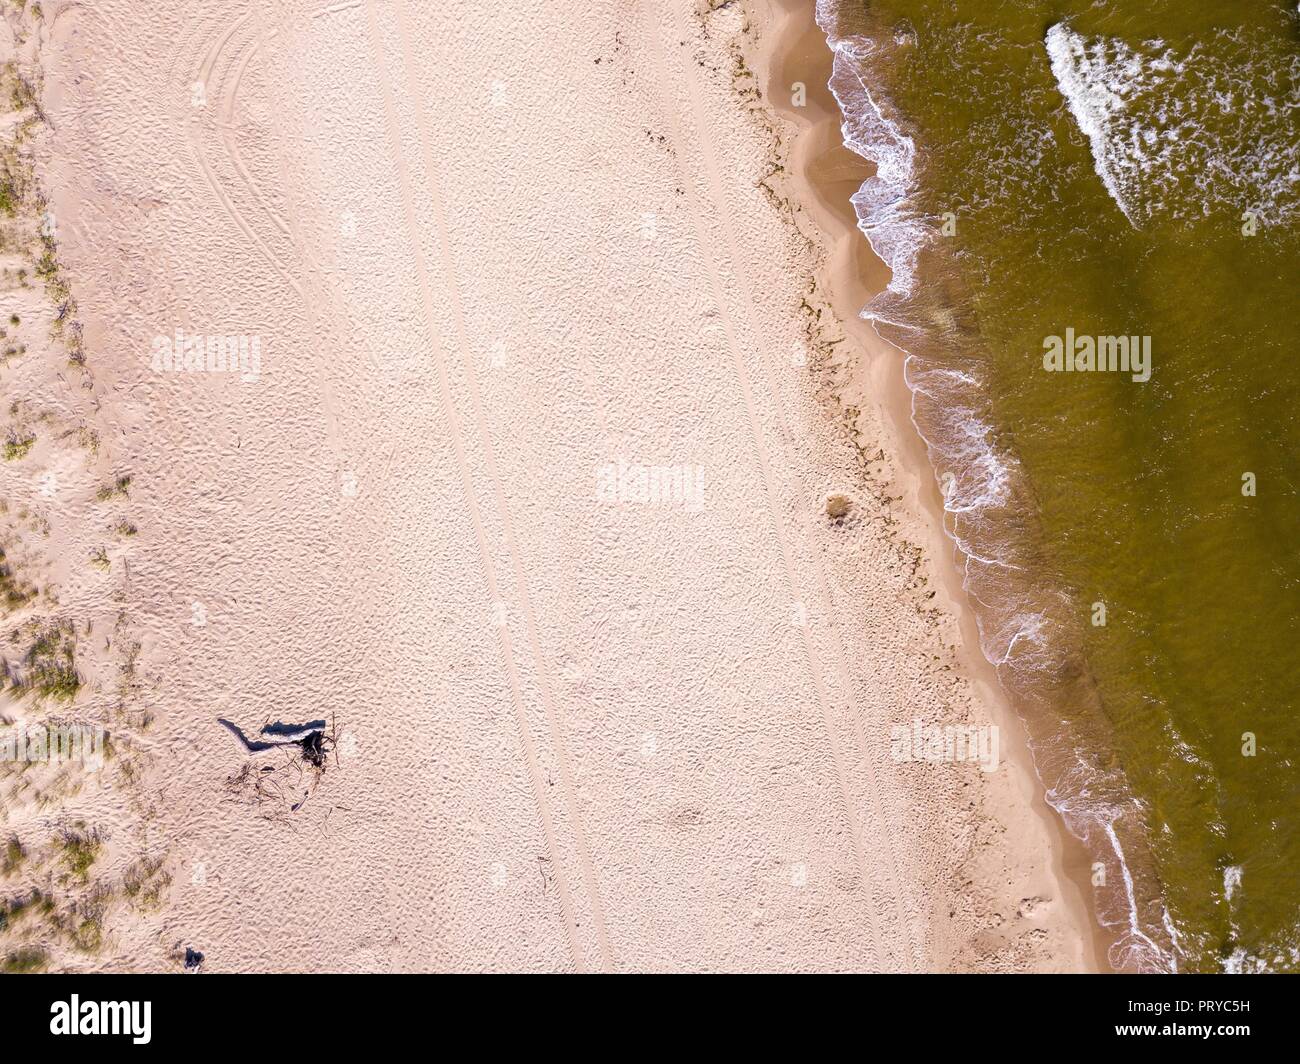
(274, 735)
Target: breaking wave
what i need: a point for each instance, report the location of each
(1180, 135)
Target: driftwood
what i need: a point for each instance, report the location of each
(271, 787)
(313, 749)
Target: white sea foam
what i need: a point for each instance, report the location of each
(1179, 135)
(1231, 881)
(1136, 948)
(980, 475)
(882, 203)
(1088, 815)
(1094, 101)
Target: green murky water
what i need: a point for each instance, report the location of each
(1117, 169)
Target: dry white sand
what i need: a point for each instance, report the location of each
(492, 256)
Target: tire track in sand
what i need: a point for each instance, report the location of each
(202, 74)
(862, 748)
(223, 96)
(312, 272)
(454, 433)
(554, 724)
(773, 493)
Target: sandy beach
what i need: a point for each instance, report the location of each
(490, 386)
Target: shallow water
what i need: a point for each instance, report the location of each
(1118, 170)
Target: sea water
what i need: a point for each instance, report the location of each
(1101, 171)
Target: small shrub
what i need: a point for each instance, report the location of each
(119, 487)
(50, 662)
(27, 959)
(18, 444)
(80, 850)
(13, 857)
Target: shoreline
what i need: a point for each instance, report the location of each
(821, 174)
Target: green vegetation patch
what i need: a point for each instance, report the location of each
(50, 663)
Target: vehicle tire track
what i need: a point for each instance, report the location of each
(862, 748)
(773, 493)
(451, 286)
(467, 485)
(202, 75)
